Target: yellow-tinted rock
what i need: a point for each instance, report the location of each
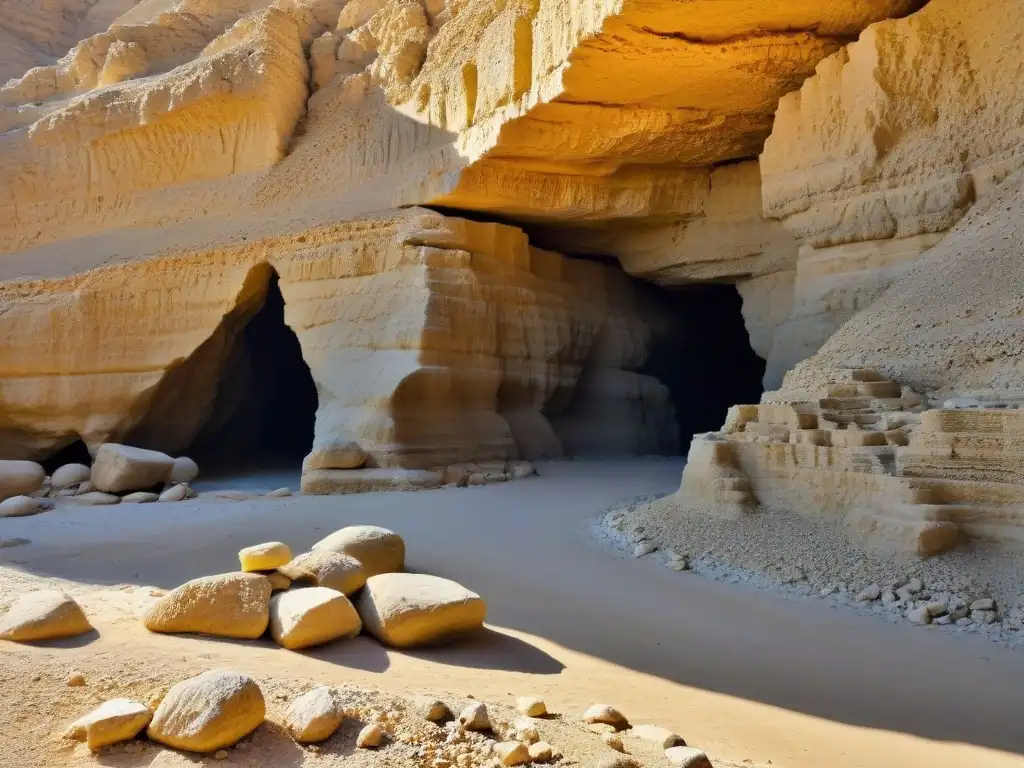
(406, 610)
(662, 737)
(304, 617)
(265, 557)
(687, 757)
(378, 549)
(314, 716)
(113, 721)
(208, 712)
(225, 605)
(278, 581)
(512, 753)
(43, 615)
(326, 569)
(605, 714)
(370, 737)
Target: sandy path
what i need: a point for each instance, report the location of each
(741, 673)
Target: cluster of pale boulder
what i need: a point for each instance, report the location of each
(118, 473)
(362, 562)
(213, 711)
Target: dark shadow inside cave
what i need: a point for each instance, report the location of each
(704, 357)
(74, 453)
(266, 401)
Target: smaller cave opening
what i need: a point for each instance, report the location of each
(73, 453)
(265, 408)
(704, 356)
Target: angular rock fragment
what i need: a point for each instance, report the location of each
(531, 706)
(512, 753)
(117, 468)
(406, 610)
(112, 722)
(314, 716)
(306, 617)
(475, 717)
(326, 569)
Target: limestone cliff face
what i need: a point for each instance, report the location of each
(885, 149)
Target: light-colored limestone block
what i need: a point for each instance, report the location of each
(225, 605)
(305, 617)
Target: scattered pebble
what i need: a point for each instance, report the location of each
(531, 706)
(370, 737)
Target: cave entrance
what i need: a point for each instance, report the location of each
(265, 407)
(704, 356)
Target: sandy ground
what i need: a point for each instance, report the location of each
(744, 674)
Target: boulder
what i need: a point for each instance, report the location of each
(541, 752)
(663, 738)
(43, 615)
(96, 499)
(177, 492)
(118, 468)
(20, 506)
(184, 470)
(378, 549)
(326, 569)
(370, 737)
(224, 605)
(306, 617)
(474, 717)
(18, 478)
(687, 757)
(265, 557)
(208, 712)
(314, 716)
(68, 475)
(531, 706)
(406, 610)
(140, 497)
(606, 714)
(512, 753)
(112, 722)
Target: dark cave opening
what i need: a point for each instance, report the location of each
(74, 453)
(266, 402)
(704, 357)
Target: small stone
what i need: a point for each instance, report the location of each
(526, 731)
(687, 757)
(325, 568)
(231, 495)
(943, 620)
(644, 548)
(86, 487)
(433, 710)
(915, 585)
(531, 706)
(175, 493)
(541, 752)
(919, 615)
(220, 754)
(112, 722)
(278, 581)
(679, 565)
(314, 716)
(474, 717)
(279, 493)
(75, 680)
(904, 593)
(264, 557)
(831, 589)
(872, 592)
(613, 741)
(655, 734)
(984, 604)
(935, 608)
(20, 506)
(140, 497)
(983, 617)
(512, 753)
(607, 714)
(601, 728)
(957, 608)
(889, 597)
(370, 737)
(306, 617)
(68, 475)
(96, 499)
